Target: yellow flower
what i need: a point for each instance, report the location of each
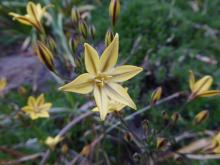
(103, 77)
(33, 17)
(3, 84)
(51, 142)
(37, 108)
(201, 87)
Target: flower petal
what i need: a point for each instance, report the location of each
(124, 73)
(91, 59)
(27, 109)
(45, 107)
(118, 93)
(101, 101)
(110, 55)
(22, 19)
(40, 100)
(202, 85)
(82, 84)
(31, 101)
(191, 80)
(209, 93)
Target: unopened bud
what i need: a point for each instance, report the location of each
(201, 117)
(75, 15)
(45, 55)
(165, 115)
(22, 91)
(114, 10)
(127, 136)
(64, 149)
(83, 28)
(161, 143)
(74, 43)
(86, 150)
(51, 43)
(92, 31)
(156, 95)
(175, 117)
(109, 36)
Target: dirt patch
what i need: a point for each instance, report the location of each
(23, 69)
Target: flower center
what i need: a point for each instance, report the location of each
(101, 79)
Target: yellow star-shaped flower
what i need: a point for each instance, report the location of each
(33, 17)
(103, 77)
(37, 108)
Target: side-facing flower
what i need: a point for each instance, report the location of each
(51, 142)
(3, 84)
(37, 108)
(201, 87)
(33, 17)
(156, 95)
(103, 77)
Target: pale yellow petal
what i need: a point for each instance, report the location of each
(101, 101)
(82, 84)
(124, 73)
(91, 59)
(32, 10)
(45, 107)
(31, 101)
(27, 109)
(40, 100)
(96, 109)
(110, 55)
(22, 19)
(118, 93)
(191, 80)
(202, 85)
(44, 115)
(33, 116)
(209, 93)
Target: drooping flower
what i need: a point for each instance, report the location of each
(103, 78)
(201, 87)
(3, 84)
(33, 17)
(37, 108)
(51, 142)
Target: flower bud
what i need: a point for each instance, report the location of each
(109, 36)
(45, 55)
(3, 84)
(114, 10)
(165, 115)
(128, 137)
(22, 91)
(83, 28)
(92, 31)
(201, 117)
(161, 143)
(75, 15)
(74, 43)
(175, 117)
(156, 95)
(86, 150)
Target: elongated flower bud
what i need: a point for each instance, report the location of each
(156, 95)
(75, 15)
(83, 28)
(45, 55)
(161, 143)
(175, 117)
(74, 43)
(92, 31)
(109, 36)
(114, 10)
(201, 117)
